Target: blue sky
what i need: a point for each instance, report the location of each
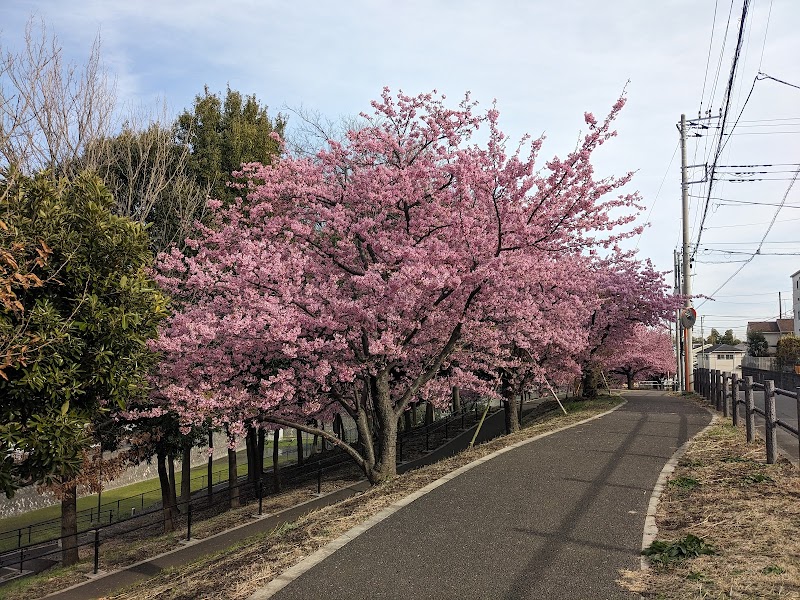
(544, 62)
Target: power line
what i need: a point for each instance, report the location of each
(766, 233)
(726, 108)
(765, 76)
(708, 57)
(658, 193)
(766, 31)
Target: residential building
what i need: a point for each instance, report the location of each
(772, 330)
(796, 302)
(721, 357)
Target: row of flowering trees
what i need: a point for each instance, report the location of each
(405, 260)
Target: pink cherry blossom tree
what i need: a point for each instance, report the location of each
(631, 293)
(648, 351)
(384, 270)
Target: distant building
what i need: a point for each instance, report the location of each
(721, 357)
(773, 330)
(796, 302)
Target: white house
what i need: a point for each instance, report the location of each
(773, 330)
(721, 357)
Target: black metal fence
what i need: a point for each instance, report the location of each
(722, 391)
(40, 543)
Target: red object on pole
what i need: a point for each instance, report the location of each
(687, 379)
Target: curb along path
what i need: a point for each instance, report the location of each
(107, 583)
(556, 518)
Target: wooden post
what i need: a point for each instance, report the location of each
(735, 399)
(719, 390)
(712, 388)
(725, 411)
(750, 417)
(770, 417)
(797, 389)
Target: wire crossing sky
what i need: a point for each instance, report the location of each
(545, 64)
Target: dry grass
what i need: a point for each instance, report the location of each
(724, 493)
(255, 561)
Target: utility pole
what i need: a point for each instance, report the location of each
(780, 306)
(678, 343)
(687, 274)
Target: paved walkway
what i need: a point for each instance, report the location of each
(107, 583)
(557, 518)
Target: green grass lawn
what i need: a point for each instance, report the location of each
(121, 501)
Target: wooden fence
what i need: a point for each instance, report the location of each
(722, 391)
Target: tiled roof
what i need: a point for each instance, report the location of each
(726, 348)
(763, 326)
(785, 325)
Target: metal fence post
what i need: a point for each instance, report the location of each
(749, 413)
(770, 417)
(427, 437)
(189, 522)
(96, 550)
(725, 411)
(735, 399)
(19, 538)
(261, 497)
(319, 479)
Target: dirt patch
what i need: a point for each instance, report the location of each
(723, 493)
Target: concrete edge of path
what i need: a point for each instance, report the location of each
(650, 527)
(184, 544)
(292, 573)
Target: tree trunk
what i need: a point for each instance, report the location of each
(381, 458)
(300, 456)
(172, 486)
(456, 399)
(276, 469)
(233, 479)
(428, 413)
(262, 433)
(590, 383)
(338, 427)
(251, 443)
(186, 474)
(630, 380)
(166, 496)
(407, 424)
(509, 404)
(315, 441)
(69, 526)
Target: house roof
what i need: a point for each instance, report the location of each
(763, 326)
(726, 348)
(776, 326)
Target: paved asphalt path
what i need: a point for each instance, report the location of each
(557, 518)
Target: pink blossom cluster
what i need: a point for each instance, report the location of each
(395, 264)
